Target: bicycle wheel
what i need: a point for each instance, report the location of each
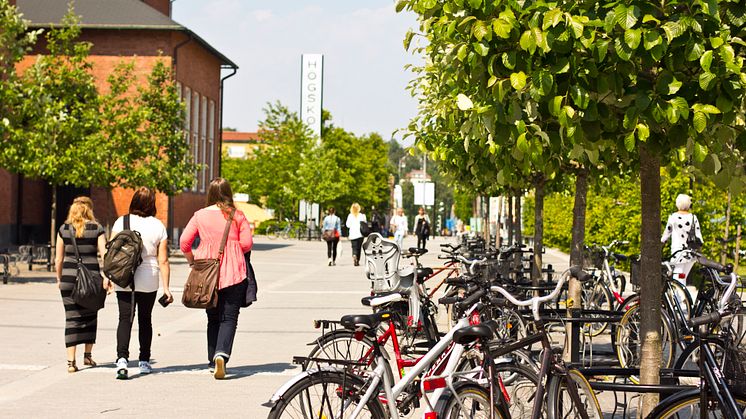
(520, 382)
(475, 401)
(688, 360)
(325, 394)
(340, 344)
(685, 405)
(271, 232)
(620, 282)
(679, 293)
(627, 343)
(596, 297)
(561, 402)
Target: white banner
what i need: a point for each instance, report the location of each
(312, 76)
(424, 193)
(397, 197)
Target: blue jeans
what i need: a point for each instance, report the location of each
(223, 320)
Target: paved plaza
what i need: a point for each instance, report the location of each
(296, 286)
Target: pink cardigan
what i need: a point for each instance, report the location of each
(209, 224)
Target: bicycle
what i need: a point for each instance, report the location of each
(275, 232)
(723, 385)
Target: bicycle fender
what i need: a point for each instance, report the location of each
(291, 382)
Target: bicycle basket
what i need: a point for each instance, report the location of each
(735, 367)
(593, 258)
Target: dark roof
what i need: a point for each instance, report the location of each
(107, 14)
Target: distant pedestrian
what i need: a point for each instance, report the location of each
(356, 236)
(422, 228)
(81, 323)
(400, 227)
(154, 266)
(376, 222)
(209, 224)
(330, 231)
(682, 225)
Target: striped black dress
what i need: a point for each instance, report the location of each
(80, 322)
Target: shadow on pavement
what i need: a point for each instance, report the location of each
(268, 246)
(234, 372)
(32, 280)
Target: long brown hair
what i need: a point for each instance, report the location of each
(219, 193)
(80, 211)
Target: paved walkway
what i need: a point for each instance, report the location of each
(295, 286)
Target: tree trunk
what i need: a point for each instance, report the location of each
(53, 228)
(576, 258)
(511, 225)
(724, 252)
(651, 285)
(538, 230)
(517, 222)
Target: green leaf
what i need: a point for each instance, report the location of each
(400, 5)
(555, 105)
(579, 96)
(461, 53)
(552, 18)
(491, 81)
(509, 60)
(629, 141)
(700, 122)
(626, 17)
(480, 30)
(643, 132)
(528, 42)
(672, 30)
(694, 51)
(716, 41)
(408, 39)
(706, 60)
(651, 39)
(522, 144)
(502, 27)
(518, 80)
(700, 152)
(475, 4)
(544, 82)
(724, 104)
(602, 48)
(481, 49)
(575, 25)
(708, 109)
(633, 37)
(674, 86)
(463, 102)
(707, 80)
(650, 18)
(569, 111)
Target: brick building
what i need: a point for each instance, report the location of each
(241, 145)
(133, 30)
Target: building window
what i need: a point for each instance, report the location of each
(187, 118)
(211, 137)
(203, 140)
(236, 151)
(195, 138)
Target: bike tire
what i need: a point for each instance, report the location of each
(598, 297)
(627, 340)
(687, 360)
(476, 401)
(560, 404)
(323, 394)
(340, 344)
(271, 232)
(685, 405)
(520, 382)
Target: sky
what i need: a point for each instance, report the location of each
(364, 76)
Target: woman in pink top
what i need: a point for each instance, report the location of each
(209, 224)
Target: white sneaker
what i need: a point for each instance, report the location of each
(145, 367)
(121, 369)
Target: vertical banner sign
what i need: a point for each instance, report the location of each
(424, 193)
(311, 85)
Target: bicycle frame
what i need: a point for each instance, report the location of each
(714, 380)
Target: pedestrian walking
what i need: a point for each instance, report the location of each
(376, 222)
(422, 228)
(684, 231)
(209, 224)
(399, 226)
(153, 267)
(80, 323)
(353, 223)
(331, 229)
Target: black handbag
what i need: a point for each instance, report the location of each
(251, 286)
(89, 289)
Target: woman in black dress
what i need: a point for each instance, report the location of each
(80, 322)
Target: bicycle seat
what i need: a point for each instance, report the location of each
(416, 251)
(381, 298)
(423, 273)
(470, 334)
(364, 322)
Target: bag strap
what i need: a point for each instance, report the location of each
(127, 222)
(225, 233)
(75, 243)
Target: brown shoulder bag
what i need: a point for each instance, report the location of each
(201, 288)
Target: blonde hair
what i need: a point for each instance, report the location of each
(683, 202)
(80, 212)
(355, 209)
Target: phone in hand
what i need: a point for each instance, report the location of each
(164, 300)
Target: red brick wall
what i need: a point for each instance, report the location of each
(8, 194)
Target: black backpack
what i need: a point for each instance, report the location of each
(692, 241)
(364, 228)
(123, 256)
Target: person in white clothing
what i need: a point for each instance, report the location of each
(400, 227)
(154, 266)
(356, 236)
(679, 224)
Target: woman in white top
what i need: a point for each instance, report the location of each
(154, 266)
(400, 227)
(356, 237)
(677, 229)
